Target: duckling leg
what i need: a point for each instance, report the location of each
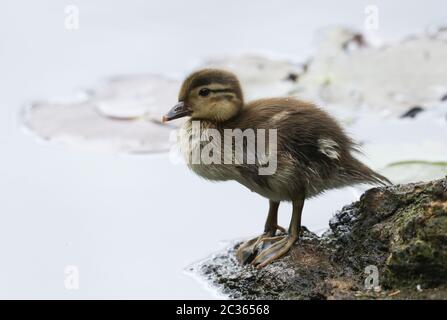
(282, 244)
(246, 252)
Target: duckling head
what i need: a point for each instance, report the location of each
(208, 94)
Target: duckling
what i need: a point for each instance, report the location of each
(313, 154)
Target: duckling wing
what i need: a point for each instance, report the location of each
(309, 140)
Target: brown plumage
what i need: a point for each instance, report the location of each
(313, 154)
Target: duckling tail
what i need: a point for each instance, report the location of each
(361, 173)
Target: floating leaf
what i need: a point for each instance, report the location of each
(414, 171)
(121, 116)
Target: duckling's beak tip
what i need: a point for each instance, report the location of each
(164, 119)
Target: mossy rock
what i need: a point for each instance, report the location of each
(400, 230)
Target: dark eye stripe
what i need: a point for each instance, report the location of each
(221, 79)
(221, 90)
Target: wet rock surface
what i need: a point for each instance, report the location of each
(401, 231)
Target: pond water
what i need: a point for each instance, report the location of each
(132, 224)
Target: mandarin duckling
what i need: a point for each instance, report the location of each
(310, 151)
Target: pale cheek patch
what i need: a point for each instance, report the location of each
(329, 147)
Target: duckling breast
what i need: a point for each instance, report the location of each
(201, 146)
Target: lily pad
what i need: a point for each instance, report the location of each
(389, 78)
(414, 171)
(123, 115)
(260, 76)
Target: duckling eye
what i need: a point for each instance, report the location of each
(204, 92)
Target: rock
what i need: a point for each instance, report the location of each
(398, 231)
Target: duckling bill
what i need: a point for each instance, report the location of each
(313, 153)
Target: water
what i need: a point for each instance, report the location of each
(133, 223)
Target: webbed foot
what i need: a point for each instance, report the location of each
(276, 248)
(267, 248)
(248, 250)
